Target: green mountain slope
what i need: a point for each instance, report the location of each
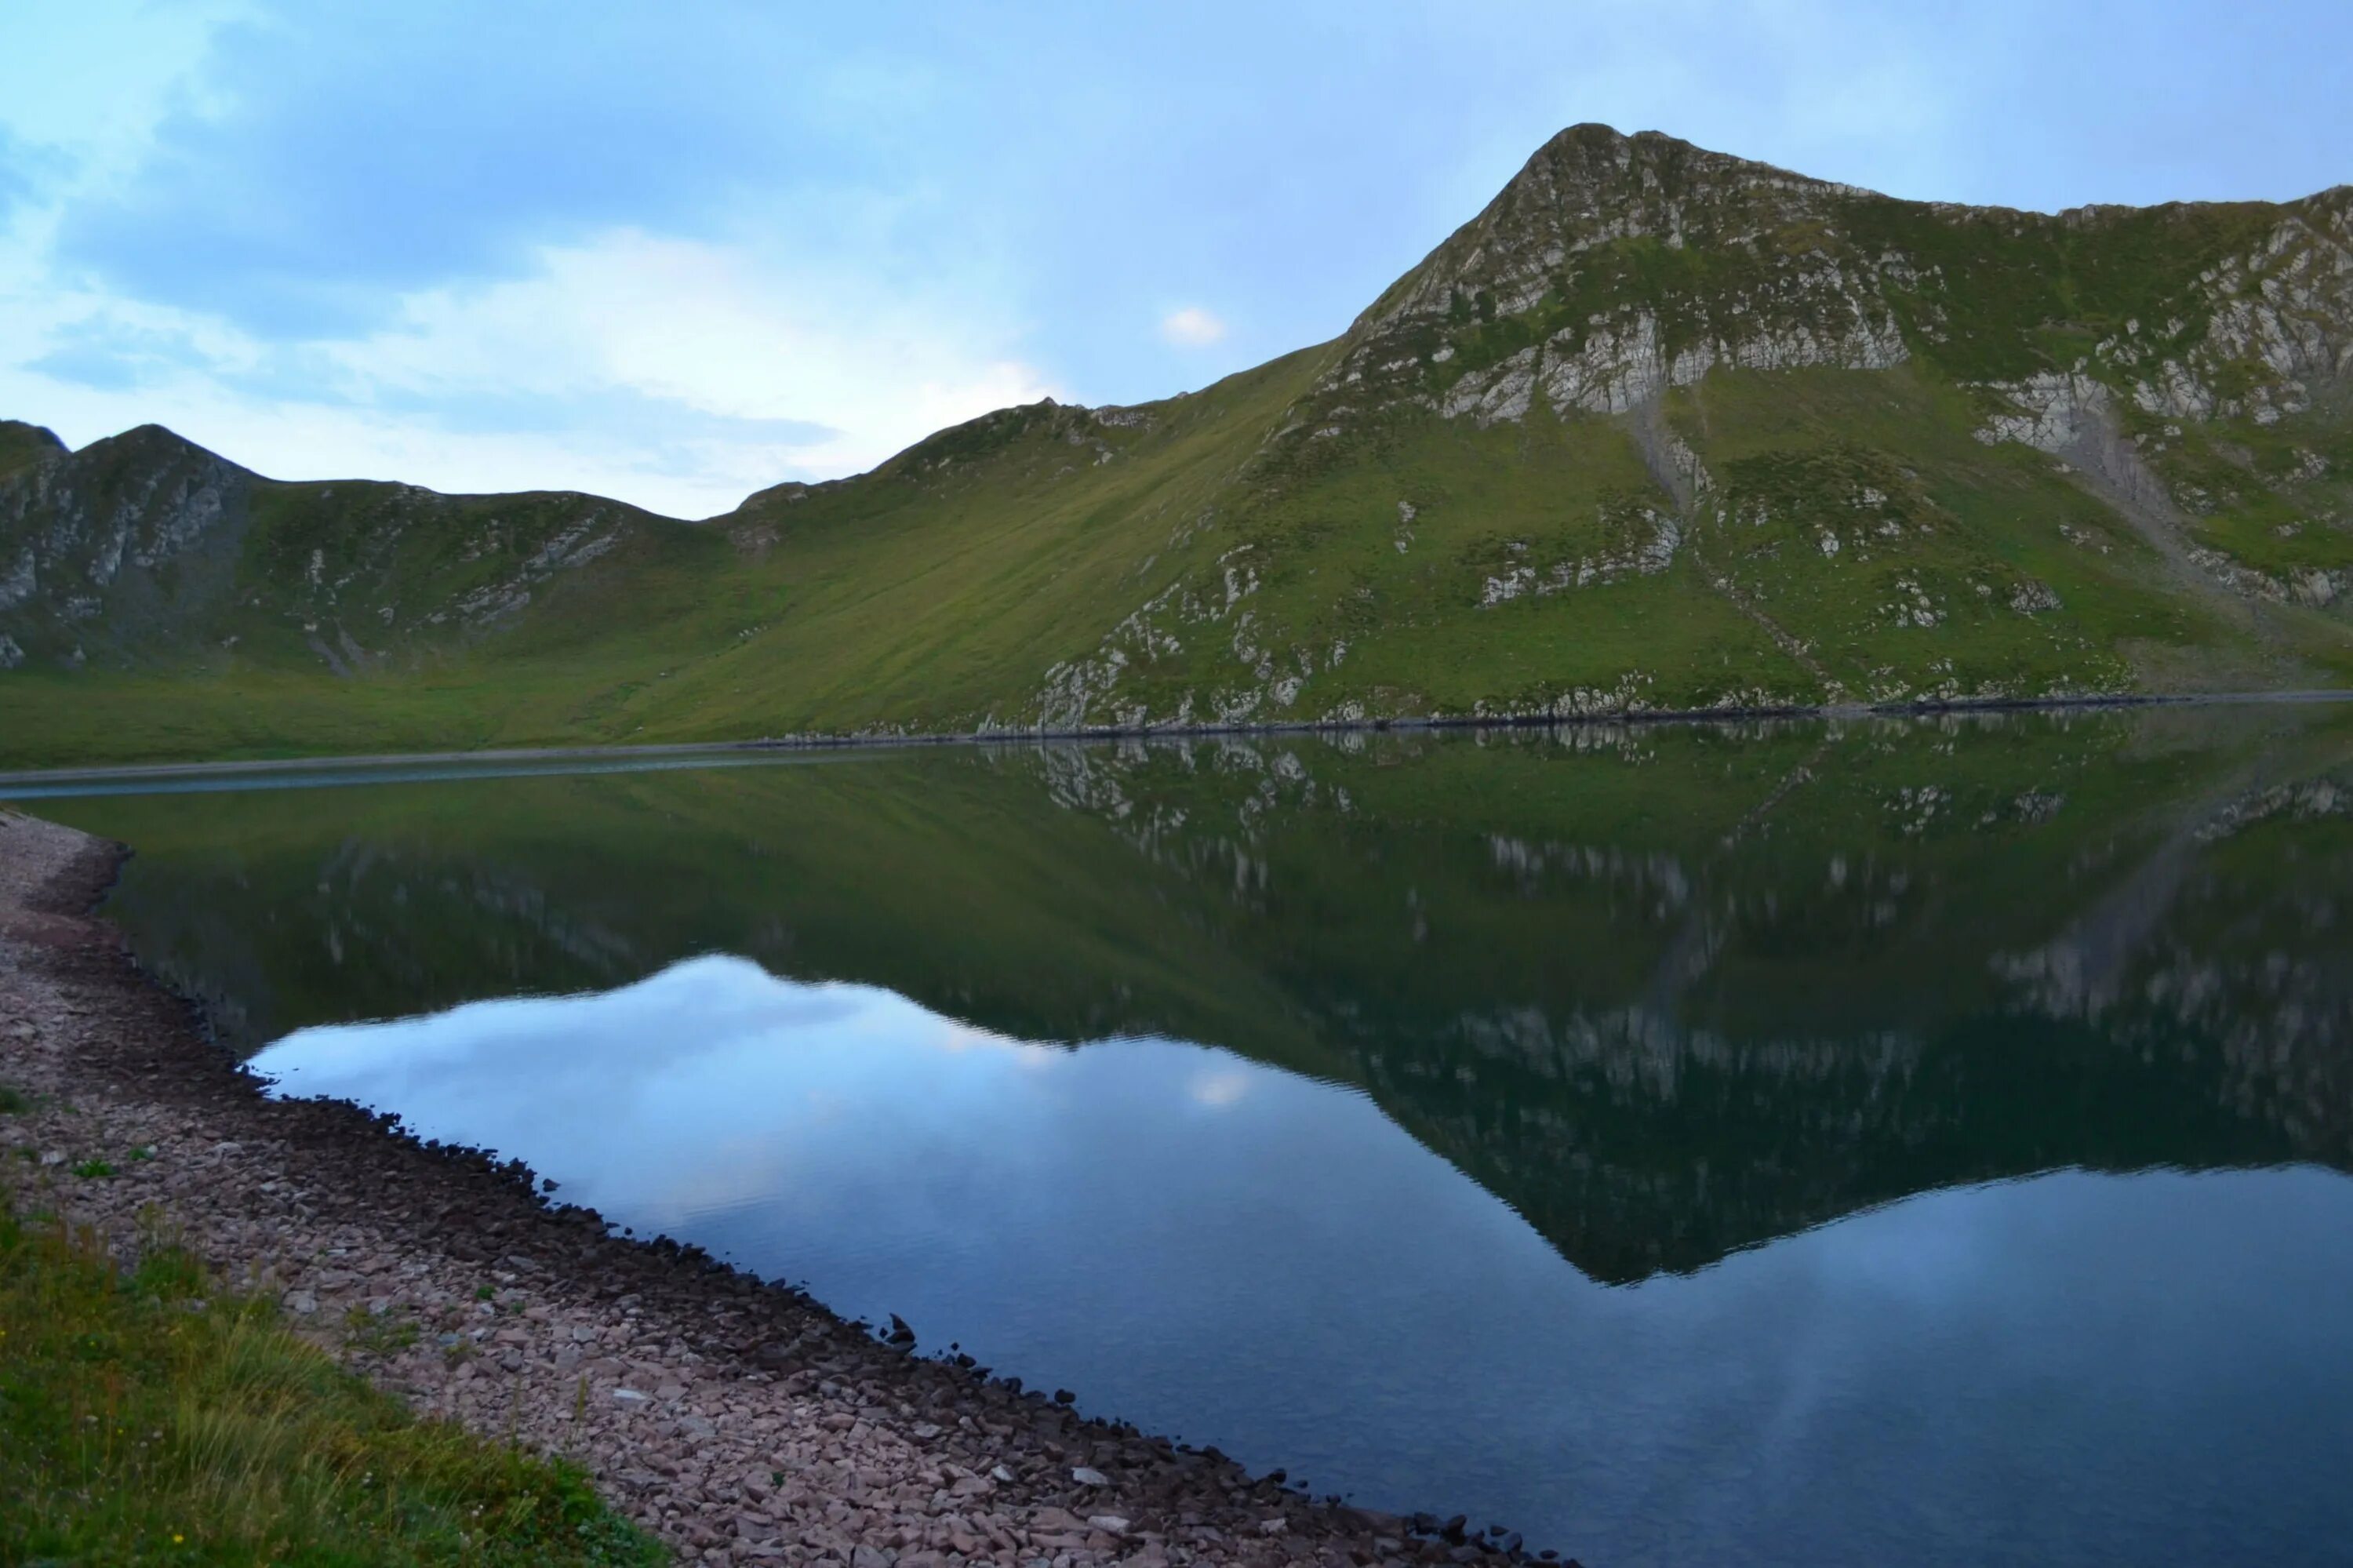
(1658, 429)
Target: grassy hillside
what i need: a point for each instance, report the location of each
(1659, 430)
(161, 1416)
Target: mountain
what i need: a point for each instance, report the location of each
(146, 550)
(1660, 428)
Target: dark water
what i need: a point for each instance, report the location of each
(1888, 1142)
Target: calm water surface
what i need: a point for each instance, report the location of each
(1913, 1143)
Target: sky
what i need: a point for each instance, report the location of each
(676, 253)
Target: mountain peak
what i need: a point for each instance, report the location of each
(19, 429)
(152, 435)
(157, 448)
(1594, 173)
(23, 445)
(1591, 186)
(1596, 144)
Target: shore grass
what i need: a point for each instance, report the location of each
(155, 1417)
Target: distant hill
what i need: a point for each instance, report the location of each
(1660, 428)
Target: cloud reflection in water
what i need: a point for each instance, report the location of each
(2115, 1368)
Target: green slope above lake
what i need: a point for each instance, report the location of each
(1659, 430)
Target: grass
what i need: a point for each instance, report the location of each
(1801, 456)
(157, 1417)
(379, 1333)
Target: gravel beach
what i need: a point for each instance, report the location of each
(741, 1422)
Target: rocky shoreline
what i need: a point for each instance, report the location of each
(741, 1422)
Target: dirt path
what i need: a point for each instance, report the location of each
(741, 1422)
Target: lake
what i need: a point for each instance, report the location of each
(1824, 1142)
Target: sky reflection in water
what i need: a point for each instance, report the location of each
(2078, 1367)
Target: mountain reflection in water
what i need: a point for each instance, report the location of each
(1257, 1089)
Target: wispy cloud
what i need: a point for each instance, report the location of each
(336, 160)
(678, 374)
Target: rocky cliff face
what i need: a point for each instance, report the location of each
(1550, 261)
(1615, 268)
(131, 539)
(146, 550)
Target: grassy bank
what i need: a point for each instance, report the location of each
(155, 1416)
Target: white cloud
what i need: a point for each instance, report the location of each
(1219, 1089)
(708, 328)
(679, 375)
(1191, 327)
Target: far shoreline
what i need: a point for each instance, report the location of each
(34, 783)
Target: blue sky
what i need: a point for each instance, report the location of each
(676, 254)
